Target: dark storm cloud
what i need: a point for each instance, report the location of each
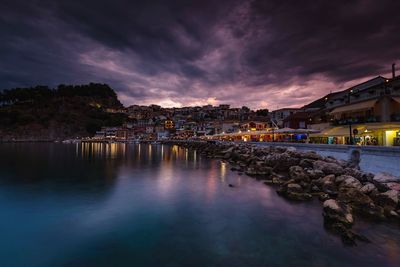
(256, 53)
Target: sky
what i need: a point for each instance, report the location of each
(261, 54)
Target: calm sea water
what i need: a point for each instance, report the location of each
(153, 205)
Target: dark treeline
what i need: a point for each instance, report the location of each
(44, 92)
(67, 111)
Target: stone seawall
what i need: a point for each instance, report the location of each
(344, 191)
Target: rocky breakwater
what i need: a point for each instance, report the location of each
(344, 191)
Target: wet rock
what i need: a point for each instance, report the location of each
(293, 191)
(277, 180)
(328, 167)
(338, 219)
(360, 202)
(393, 214)
(294, 188)
(323, 196)
(335, 212)
(268, 182)
(347, 235)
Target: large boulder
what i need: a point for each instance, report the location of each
(311, 155)
(341, 178)
(328, 167)
(384, 177)
(360, 202)
(292, 187)
(335, 212)
(315, 174)
(368, 188)
(359, 175)
(281, 162)
(338, 219)
(293, 191)
(306, 163)
(327, 185)
(385, 181)
(298, 174)
(393, 186)
(351, 182)
(389, 199)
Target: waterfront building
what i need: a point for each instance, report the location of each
(365, 114)
(298, 120)
(280, 115)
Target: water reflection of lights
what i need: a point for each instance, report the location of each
(194, 158)
(223, 171)
(175, 150)
(150, 151)
(93, 150)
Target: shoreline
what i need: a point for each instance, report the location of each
(344, 191)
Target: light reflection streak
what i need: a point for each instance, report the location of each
(223, 171)
(100, 150)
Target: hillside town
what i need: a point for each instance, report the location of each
(364, 114)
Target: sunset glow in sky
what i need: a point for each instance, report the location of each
(262, 54)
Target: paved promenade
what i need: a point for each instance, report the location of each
(373, 158)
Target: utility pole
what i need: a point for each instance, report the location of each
(350, 120)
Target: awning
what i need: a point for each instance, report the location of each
(383, 126)
(396, 98)
(355, 107)
(339, 131)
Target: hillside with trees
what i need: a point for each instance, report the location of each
(68, 111)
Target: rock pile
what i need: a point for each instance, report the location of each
(303, 175)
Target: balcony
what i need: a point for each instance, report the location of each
(356, 120)
(395, 117)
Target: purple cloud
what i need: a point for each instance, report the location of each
(263, 54)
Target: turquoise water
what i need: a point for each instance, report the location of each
(153, 205)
